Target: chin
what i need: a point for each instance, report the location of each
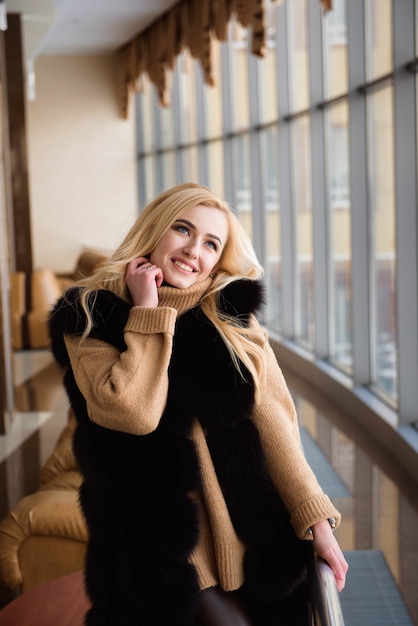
(184, 284)
(181, 282)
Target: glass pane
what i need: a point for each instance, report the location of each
(239, 76)
(165, 121)
(378, 37)
(335, 50)
(215, 174)
(242, 178)
(297, 28)
(382, 201)
(168, 170)
(340, 234)
(273, 249)
(416, 27)
(146, 126)
(213, 95)
(267, 71)
(302, 209)
(190, 157)
(186, 76)
(147, 180)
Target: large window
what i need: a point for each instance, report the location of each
(215, 167)
(273, 248)
(303, 223)
(212, 96)
(187, 120)
(339, 208)
(241, 177)
(267, 74)
(382, 213)
(238, 57)
(297, 26)
(306, 145)
(335, 50)
(379, 37)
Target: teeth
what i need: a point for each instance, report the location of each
(183, 266)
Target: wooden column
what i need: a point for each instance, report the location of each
(6, 373)
(16, 97)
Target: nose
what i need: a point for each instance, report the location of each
(191, 250)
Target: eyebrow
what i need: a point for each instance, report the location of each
(193, 227)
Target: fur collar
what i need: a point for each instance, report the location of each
(110, 312)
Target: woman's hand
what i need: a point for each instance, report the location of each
(326, 547)
(143, 279)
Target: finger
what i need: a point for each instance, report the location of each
(135, 264)
(340, 571)
(159, 277)
(156, 274)
(340, 582)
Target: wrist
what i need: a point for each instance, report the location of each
(322, 525)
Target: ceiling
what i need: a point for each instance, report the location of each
(66, 27)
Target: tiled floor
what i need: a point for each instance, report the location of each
(379, 503)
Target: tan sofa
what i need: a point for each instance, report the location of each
(87, 262)
(45, 536)
(29, 321)
(45, 291)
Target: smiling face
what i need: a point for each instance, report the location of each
(191, 248)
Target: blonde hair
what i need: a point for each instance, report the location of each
(238, 261)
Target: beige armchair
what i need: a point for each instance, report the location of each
(45, 290)
(45, 536)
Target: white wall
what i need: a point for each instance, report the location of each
(82, 167)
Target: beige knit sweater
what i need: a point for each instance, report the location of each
(109, 381)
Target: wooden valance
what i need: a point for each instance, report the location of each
(191, 24)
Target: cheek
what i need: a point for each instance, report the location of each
(158, 254)
(153, 257)
(211, 261)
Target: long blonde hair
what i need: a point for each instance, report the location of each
(238, 261)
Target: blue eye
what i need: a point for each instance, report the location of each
(212, 245)
(182, 229)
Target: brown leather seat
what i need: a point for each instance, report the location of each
(45, 535)
(45, 290)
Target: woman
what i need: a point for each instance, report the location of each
(195, 490)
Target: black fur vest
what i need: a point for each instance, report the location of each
(143, 524)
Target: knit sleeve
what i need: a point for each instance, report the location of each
(127, 391)
(276, 420)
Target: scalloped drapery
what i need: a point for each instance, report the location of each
(191, 24)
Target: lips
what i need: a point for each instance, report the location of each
(184, 266)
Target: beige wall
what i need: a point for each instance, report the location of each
(82, 167)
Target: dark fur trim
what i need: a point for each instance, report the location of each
(242, 297)
(68, 316)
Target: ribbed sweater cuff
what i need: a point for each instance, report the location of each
(312, 511)
(230, 566)
(147, 320)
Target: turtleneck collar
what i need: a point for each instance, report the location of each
(183, 299)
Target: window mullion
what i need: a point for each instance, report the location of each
(287, 217)
(319, 213)
(406, 212)
(360, 226)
